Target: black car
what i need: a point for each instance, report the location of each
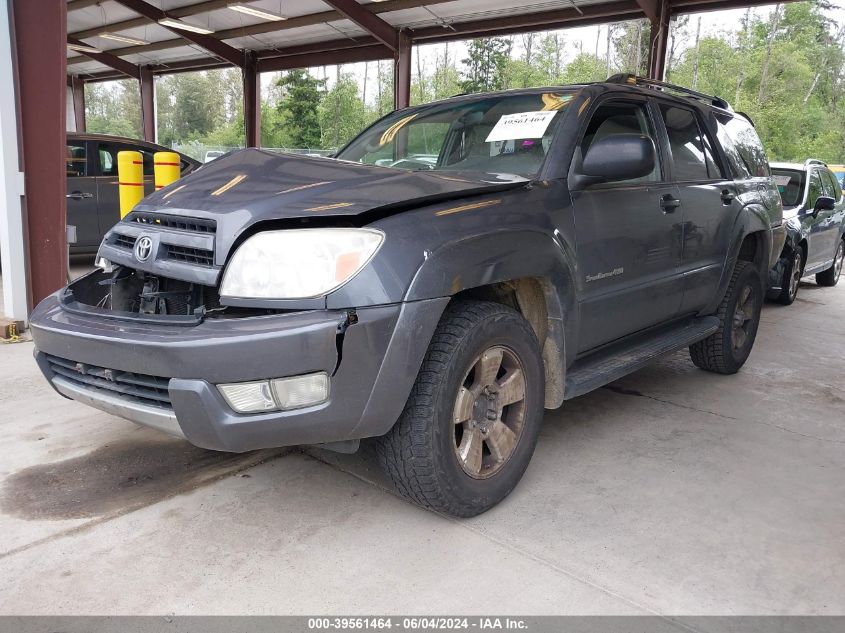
(93, 204)
(459, 267)
(814, 215)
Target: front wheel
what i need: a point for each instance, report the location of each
(830, 277)
(471, 422)
(725, 351)
(792, 273)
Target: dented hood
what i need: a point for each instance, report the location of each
(252, 186)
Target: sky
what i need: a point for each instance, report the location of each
(711, 23)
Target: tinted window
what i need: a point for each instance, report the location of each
(815, 189)
(743, 147)
(790, 183)
(689, 156)
(828, 186)
(77, 163)
(108, 158)
(618, 118)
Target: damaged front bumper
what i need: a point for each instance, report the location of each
(165, 375)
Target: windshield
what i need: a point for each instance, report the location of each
(499, 134)
(790, 184)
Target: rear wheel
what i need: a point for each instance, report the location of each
(830, 277)
(725, 351)
(471, 422)
(791, 278)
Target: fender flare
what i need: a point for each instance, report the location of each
(504, 256)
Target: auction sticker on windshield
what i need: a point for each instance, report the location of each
(521, 125)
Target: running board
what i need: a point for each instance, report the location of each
(608, 365)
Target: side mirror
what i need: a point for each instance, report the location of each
(824, 203)
(619, 157)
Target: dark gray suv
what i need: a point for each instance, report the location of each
(459, 267)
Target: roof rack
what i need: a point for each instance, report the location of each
(634, 80)
(814, 161)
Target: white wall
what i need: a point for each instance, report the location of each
(11, 184)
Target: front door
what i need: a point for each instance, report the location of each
(81, 196)
(628, 238)
(814, 223)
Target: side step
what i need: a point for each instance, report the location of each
(613, 363)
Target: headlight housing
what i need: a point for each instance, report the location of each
(298, 263)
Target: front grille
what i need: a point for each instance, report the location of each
(197, 225)
(150, 390)
(199, 256)
(123, 241)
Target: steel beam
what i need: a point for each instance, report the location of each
(108, 59)
(211, 44)
(370, 53)
(402, 73)
(39, 34)
(658, 40)
(148, 104)
(374, 25)
(650, 8)
(77, 87)
(252, 101)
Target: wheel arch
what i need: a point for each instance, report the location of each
(527, 270)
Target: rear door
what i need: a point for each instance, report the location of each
(81, 195)
(108, 194)
(628, 236)
(708, 199)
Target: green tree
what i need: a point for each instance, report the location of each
(342, 114)
(298, 108)
(485, 64)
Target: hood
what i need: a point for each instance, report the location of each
(251, 186)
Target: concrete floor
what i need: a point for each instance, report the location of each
(672, 491)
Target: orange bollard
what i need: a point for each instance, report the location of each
(168, 168)
(130, 180)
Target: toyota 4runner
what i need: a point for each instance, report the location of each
(456, 269)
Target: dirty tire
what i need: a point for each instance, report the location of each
(789, 284)
(830, 277)
(718, 352)
(419, 453)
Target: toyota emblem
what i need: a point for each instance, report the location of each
(143, 248)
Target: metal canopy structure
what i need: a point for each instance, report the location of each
(113, 39)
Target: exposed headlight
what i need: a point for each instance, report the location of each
(298, 263)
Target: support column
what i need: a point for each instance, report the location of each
(40, 36)
(78, 90)
(402, 73)
(252, 101)
(148, 103)
(658, 41)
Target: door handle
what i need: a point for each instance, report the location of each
(669, 203)
(727, 196)
(78, 195)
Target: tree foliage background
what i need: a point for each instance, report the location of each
(782, 66)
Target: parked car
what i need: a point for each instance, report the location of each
(212, 154)
(814, 215)
(93, 204)
(276, 299)
(839, 174)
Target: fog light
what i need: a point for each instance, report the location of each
(248, 397)
(301, 391)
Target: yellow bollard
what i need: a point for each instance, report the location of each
(130, 180)
(167, 168)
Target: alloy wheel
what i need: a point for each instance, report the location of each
(795, 277)
(743, 317)
(489, 412)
